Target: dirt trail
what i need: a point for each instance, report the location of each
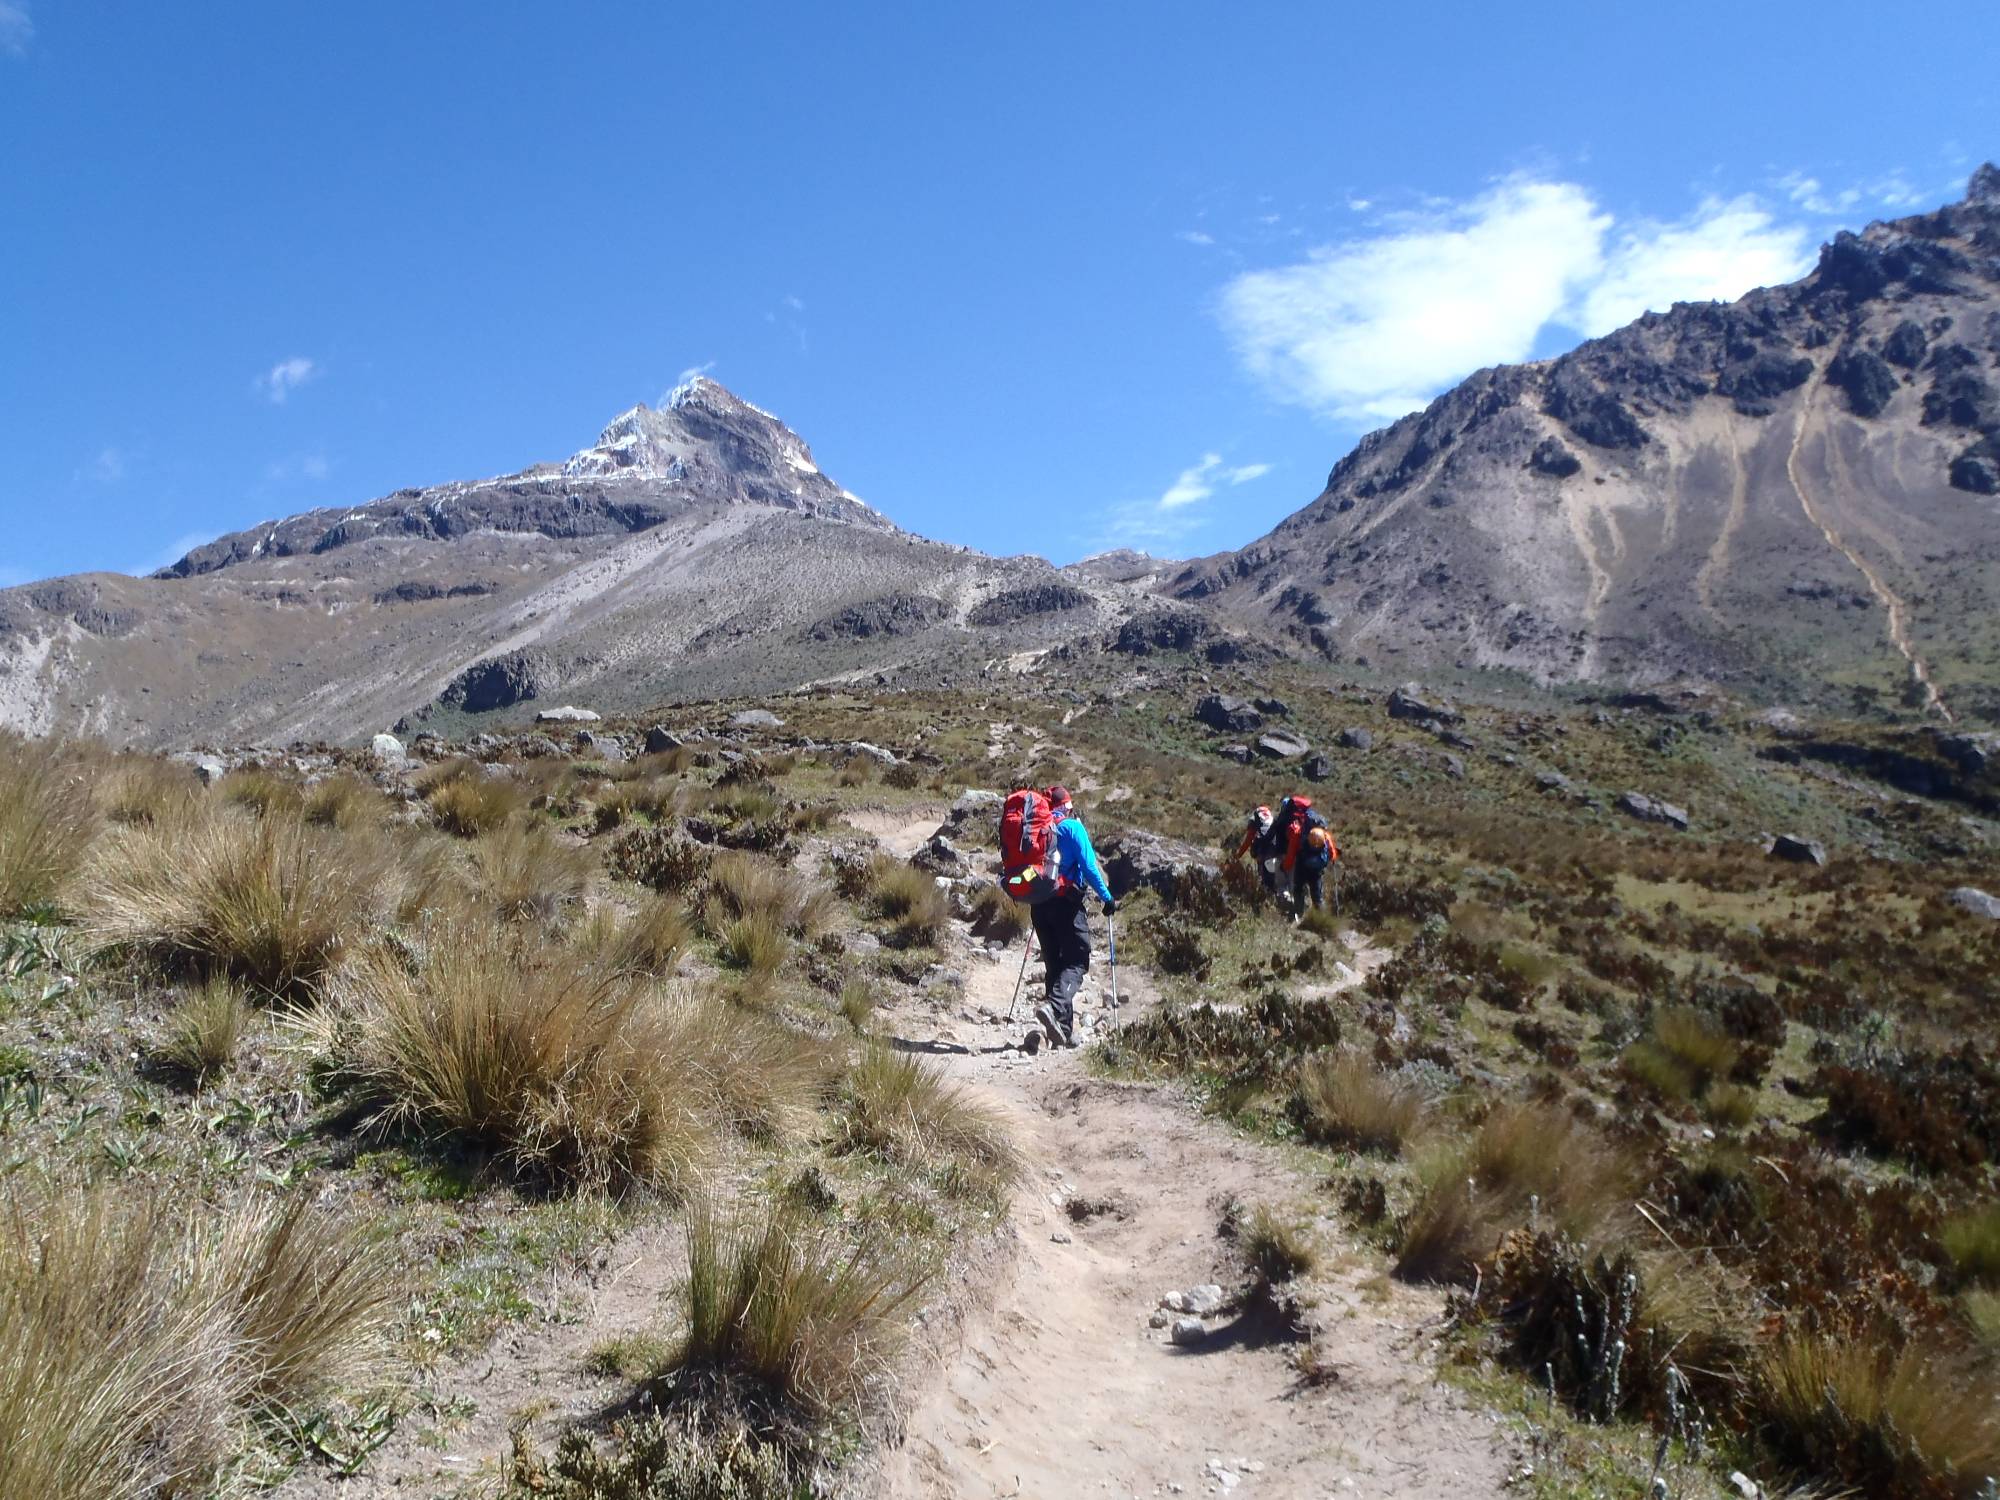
(1892, 602)
(1059, 1387)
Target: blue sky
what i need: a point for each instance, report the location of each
(1027, 277)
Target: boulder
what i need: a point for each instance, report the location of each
(1972, 899)
(1188, 1331)
(873, 752)
(1974, 754)
(1134, 859)
(974, 818)
(659, 740)
(1277, 708)
(1555, 781)
(1238, 753)
(1318, 767)
(756, 718)
(1409, 702)
(602, 746)
(208, 769)
(1356, 738)
(387, 749)
(1780, 721)
(1453, 766)
(1204, 1301)
(1282, 744)
(1797, 850)
(940, 856)
(1231, 715)
(1651, 810)
(569, 713)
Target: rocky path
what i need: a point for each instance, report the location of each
(1061, 1387)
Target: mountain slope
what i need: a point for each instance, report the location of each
(1794, 493)
(691, 550)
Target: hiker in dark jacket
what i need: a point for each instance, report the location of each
(1060, 924)
(1309, 849)
(1263, 842)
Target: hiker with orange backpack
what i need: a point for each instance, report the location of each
(1047, 862)
(1309, 850)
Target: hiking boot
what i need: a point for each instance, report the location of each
(1045, 1017)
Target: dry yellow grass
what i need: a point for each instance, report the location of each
(46, 818)
(905, 1110)
(205, 1028)
(1343, 1099)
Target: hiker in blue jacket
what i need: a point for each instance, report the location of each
(1060, 923)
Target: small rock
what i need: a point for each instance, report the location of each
(1555, 781)
(1282, 744)
(1238, 753)
(569, 713)
(1204, 1301)
(1409, 702)
(1650, 810)
(386, 747)
(1175, 1302)
(1188, 1331)
(1060, 1237)
(1318, 767)
(208, 769)
(1799, 851)
(1356, 738)
(1744, 1485)
(756, 718)
(1277, 708)
(660, 740)
(1160, 1318)
(1971, 898)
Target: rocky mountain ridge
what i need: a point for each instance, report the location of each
(691, 550)
(1791, 493)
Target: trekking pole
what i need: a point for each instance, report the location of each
(1111, 927)
(1027, 949)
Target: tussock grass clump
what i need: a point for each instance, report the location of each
(134, 1341)
(343, 800)
(1278, 1249)
(1982, 1311)
(781, 1302)
(1729, 1104)
(140, 789)
(1526, 1160)
(525, 873)
(1890, 1422)
(1343, 1099)
(745, 886)
(262, 792)
(995, 914)
(1321, 923)
(46, 817)
(1682, 1054)
(575, 1074)
(910, 900)
(857, 1004)
(755, 944)
(205, 1029)
(472, 803)
(1972, 1240)
(648, 941)
(904, 1109)
(267, 900)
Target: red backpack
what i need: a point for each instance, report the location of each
(1028, 847)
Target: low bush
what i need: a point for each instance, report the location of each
(659, 857)
(46, 815)
(1177, 945)
(785, 1306)
(573, 1074)
(904, 776)
(1343, 1099)
(904, 1109)
(654, 1458)
(205, 1029)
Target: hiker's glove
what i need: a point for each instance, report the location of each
(1111, 908)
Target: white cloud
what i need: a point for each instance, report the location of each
(108, 467)
(795, 303)
(1200, 481)
(310, 467)
(1893, 190)
(286, 376)
(1720, 252)
(1194, 237)
(1369, 328)
(17, 28)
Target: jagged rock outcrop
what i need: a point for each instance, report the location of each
(1636, 509)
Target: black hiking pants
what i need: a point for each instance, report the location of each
(1308, 883)
(1064, 933)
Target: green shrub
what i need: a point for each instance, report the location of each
(653, 1458)
(1683, 1052)
(667, 861)
(1972, 1240)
